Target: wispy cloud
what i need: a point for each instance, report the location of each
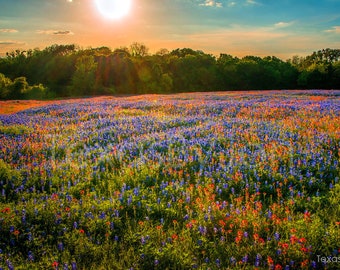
(63, 33)
(283, 24)
(211, 3)
(334, 29)
(8, 30)
(252, 2)
(10, 42)
(234, 3)
(55, 32)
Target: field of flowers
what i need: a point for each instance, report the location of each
(235, 180)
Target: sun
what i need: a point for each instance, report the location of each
(113, 9)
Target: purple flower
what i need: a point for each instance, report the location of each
(277, 236)
(313, 265)
(270, 214)
(60, 246)
(9, 265)
(30, 256)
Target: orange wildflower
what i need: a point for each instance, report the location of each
(174, 236)
(6, 210)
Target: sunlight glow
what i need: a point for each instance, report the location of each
(113, 9)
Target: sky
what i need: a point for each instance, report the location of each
(282, 28)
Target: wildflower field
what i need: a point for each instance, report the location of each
(224, 180)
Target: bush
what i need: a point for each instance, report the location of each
(35, 92)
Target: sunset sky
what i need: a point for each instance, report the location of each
(239, 27)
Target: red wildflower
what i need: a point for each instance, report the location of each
(222, 223)
(293, 239)
(270, 260)
(16, 232)
(55, 265)
(302, 240)
(261, 240)
(6, 210)
(278, 267)
(306, 215)
(81, 231)
(244, 223)
(284, 245)
(304, 263)
(304, 249)
(174, 236)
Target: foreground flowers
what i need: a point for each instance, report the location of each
(185, 181)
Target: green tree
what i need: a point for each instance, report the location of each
(335, 80)
(139, 49)
(5, 84)
(83, 80)
(18, 88)
(166, 83)
(35, 92)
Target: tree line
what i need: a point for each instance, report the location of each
(67, 70)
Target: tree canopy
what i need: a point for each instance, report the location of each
(67, 70)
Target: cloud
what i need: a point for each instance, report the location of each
(334, 29)
(10, 43)
(8, 31)
(55, 32)
(234, 3)
(283, 24)
(63, 33)
(252, 2)
(211, 3)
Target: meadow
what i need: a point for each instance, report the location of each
(223, 180)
